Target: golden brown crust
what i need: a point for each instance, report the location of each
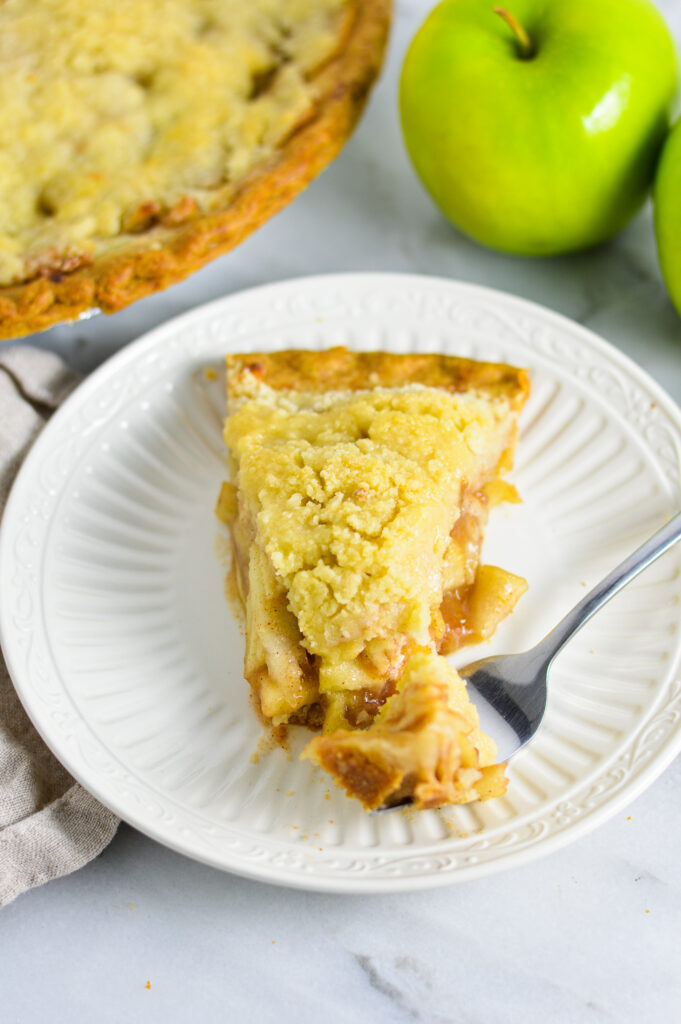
(377, 783)
(370, 780)
(339, 369)
(167, 254)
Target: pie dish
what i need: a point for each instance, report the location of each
(142, 141)
(361, 484)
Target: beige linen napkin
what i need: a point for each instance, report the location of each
(49, 825)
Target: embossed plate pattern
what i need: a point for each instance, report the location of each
(128, 657)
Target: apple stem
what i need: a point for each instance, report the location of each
(525, 47)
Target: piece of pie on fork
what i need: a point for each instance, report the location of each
(360, 488)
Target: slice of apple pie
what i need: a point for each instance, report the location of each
(360, 489)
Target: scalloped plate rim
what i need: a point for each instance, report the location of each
(283, 874)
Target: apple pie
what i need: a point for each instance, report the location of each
(359, 491)
(140, 140)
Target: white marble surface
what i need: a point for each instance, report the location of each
(588, 934)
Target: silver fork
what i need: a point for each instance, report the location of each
(515, 685)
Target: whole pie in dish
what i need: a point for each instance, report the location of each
(360, 489)
(140, 140)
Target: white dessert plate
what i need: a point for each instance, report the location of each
(128, 657)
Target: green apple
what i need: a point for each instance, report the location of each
(536, 127)
(667, 208)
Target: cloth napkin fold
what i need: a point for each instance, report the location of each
(49, 825)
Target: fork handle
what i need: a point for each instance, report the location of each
(546, 650)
